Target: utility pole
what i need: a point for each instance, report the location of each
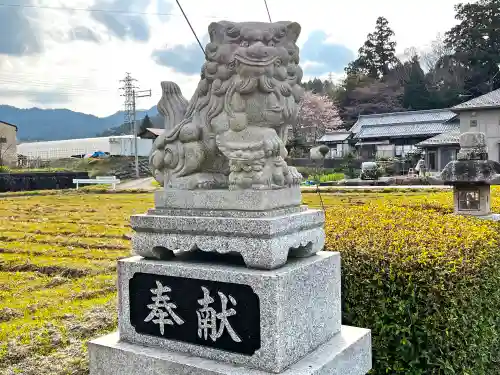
(137, 94)
(131, 94)
(128, 92)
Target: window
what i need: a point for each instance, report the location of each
(402, 150)
(3, 140)
(473, 123)
(385, 151)
(468, 200)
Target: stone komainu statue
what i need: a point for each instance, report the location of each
(233, 131)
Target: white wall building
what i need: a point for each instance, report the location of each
(482, 114)
(122, 145)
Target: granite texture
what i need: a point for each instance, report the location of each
(226, 213)
(484, 200)
(347, 353)
(232, 133)
(263, 242)
(299, 306)
(241, 200)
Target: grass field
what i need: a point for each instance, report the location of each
(58, 254)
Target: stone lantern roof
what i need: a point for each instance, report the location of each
(472, 165)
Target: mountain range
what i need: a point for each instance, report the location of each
(35, 124)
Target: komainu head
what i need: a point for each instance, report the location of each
(253, 57)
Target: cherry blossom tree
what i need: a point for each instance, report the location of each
(318, 115)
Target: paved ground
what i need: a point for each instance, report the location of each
(141, 183)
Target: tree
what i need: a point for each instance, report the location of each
(317, 115)
(377, 56)
(435, 53)
(476, 44)
(447, 81)
(146, 123)
(370, 96)
(416, 96)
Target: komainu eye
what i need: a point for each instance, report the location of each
(244, 43)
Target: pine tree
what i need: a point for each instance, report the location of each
(416, 96)
(146, 123)
(377, 56)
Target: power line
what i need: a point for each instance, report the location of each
(267, 8)
(52, 85)
(131, 93)
(128, 92)
(189, 23)
(93, 10)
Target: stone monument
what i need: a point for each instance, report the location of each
(471, 175)
(228, 275)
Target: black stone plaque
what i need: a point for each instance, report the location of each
(215, 314)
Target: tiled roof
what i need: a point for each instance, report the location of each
(448, 138)
(155, 131)
(409, 117)
(403, 130)
(335, 137)
(489, 100)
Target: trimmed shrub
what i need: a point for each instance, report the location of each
(38, 181)
(425, 281)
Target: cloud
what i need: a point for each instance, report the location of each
(42, 97)
(163, 7)
(186, 59)
(19, 35)
(121, 24)
(320, 57)
(84, 33)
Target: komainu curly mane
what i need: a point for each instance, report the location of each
(252, 69)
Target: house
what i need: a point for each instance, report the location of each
(8, 144)
(394, 134)
(440, 150)
(338, 143)
(482, 114)
(150, 133)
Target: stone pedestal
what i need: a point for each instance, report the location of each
(286, 320)
(347, 353)
(265, 227)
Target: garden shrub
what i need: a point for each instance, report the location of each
(38, 181)
(426, 282)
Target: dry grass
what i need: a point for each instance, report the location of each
(57, 276)
(58, 257)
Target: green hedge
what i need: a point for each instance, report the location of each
(433, 317)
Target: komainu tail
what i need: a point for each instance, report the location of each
(172, 105)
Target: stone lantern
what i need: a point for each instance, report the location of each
(471, 176)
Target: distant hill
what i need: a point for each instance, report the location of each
(35, 124)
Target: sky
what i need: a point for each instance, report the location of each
(73, 53)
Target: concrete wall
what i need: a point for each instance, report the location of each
(488, 122)
(8, 145)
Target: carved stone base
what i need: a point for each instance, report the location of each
(298, 308)
(349, 352)
(264, 241)
(223, 200)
